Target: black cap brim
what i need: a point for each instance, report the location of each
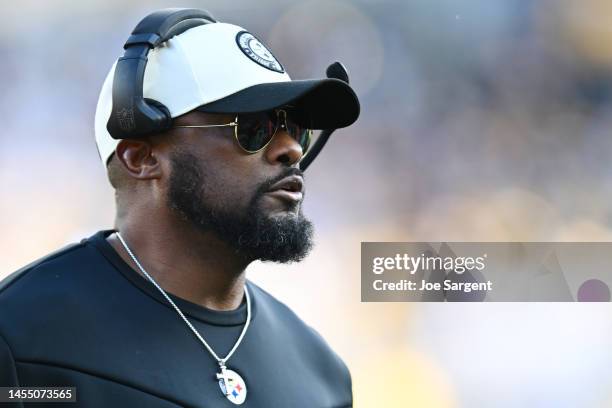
(314, 103)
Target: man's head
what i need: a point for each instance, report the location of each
(209, 75)
(204, 179)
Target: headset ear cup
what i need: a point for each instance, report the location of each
(167, 121)
(131, 115)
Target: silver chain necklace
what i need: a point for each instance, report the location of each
(230, 382)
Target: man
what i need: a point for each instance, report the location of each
(158, 311)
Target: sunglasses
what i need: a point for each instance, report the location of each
(254, 131)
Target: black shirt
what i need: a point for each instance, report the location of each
(81, 317)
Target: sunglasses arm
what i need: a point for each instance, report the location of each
(316, 148)
(337, 71)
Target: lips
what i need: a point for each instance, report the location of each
(290, 189)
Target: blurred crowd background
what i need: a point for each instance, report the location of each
(481, 120)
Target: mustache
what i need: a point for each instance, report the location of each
(267, 185)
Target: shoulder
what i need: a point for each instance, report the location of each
(51, 272)
(302, 336)
(271, 307)
(31, 271)
(287, 319)
(41, 295)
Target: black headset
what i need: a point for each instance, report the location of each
(133, 115)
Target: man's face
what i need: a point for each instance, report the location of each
(219, 188)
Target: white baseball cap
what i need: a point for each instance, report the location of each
(222, 68)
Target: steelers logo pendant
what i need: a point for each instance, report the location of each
(232, 386)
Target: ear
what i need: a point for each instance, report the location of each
(139, 159)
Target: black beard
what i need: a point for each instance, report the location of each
(252, 234)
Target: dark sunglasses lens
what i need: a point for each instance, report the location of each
(254, 131)
(301, 135)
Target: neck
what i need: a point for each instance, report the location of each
(192, 265)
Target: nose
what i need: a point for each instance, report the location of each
(283, 149)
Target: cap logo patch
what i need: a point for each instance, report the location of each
(257, 52)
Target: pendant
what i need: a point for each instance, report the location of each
(232, 385)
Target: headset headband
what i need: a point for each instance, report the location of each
(132, 115)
